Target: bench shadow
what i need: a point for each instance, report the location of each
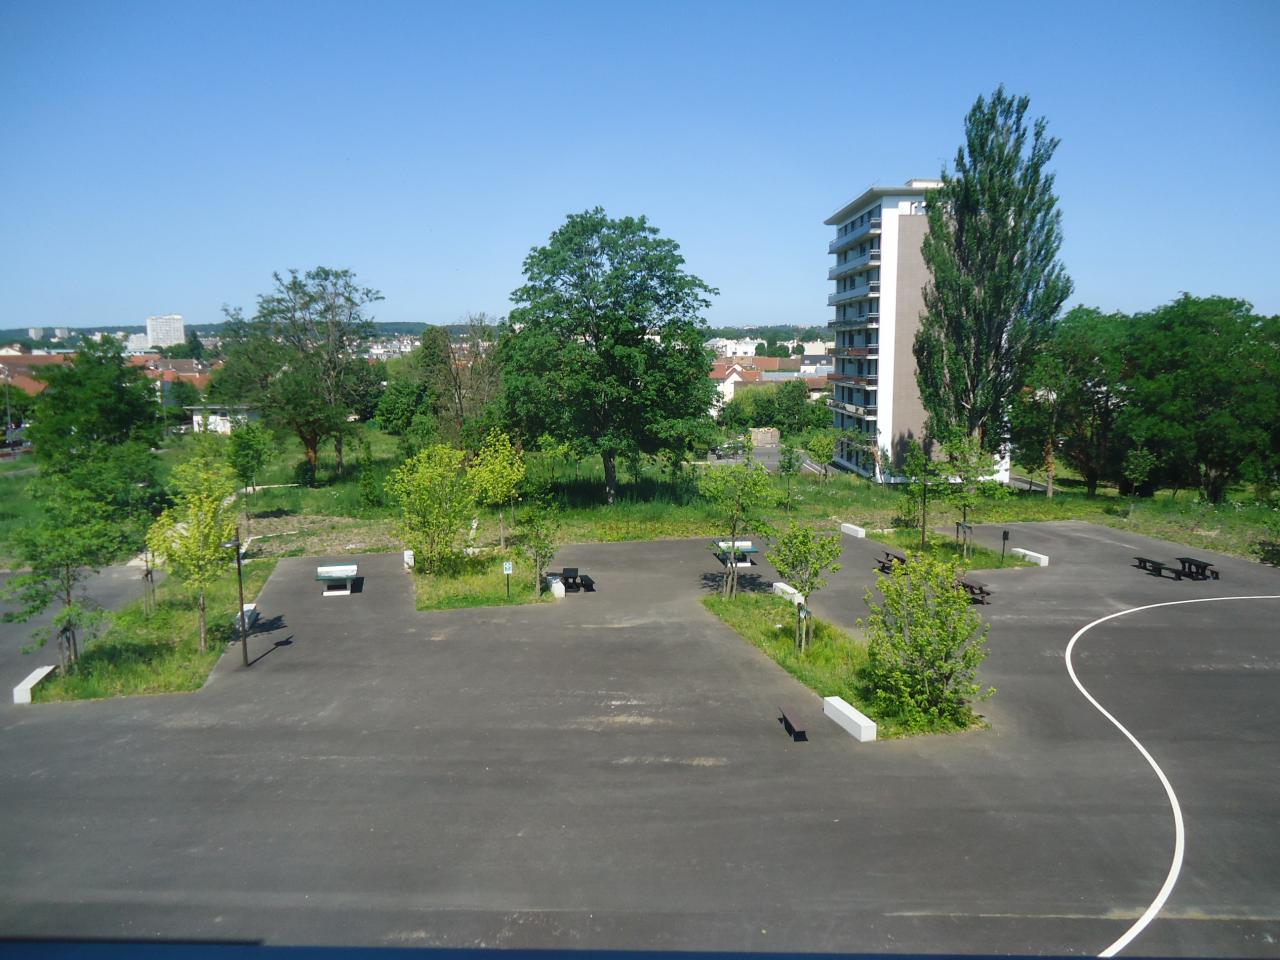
(357, 585)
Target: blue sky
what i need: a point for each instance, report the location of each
(168, 157)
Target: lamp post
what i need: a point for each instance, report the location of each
(244, 630)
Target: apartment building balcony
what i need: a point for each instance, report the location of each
(853, 409)
(869, 229)
(871, 350)
(855, 323)
(854, 293)
(870, 259)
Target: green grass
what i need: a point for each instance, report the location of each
(831, 667)
(17, 508)
(157, 654)
(477, 582)
(946, 548)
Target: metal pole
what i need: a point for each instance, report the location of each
(244, 630)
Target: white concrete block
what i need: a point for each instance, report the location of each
(557, 589)
(853, 530)
(22, 692)
(861, 727)
(408, 559)
(1031, 555)
(788, 591)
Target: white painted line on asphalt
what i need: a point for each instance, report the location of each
(1179, 831)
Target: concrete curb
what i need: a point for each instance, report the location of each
(1031, 555)
(859, 726)
(853, 530)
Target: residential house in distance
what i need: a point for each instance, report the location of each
(880, 276)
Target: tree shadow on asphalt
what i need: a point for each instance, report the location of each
(713, 582)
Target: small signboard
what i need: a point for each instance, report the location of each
(507, 567)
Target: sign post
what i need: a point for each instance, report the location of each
(1004, 542)
(506, 570)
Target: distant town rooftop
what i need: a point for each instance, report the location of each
(915, 187)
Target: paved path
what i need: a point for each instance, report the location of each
(113, 587)
(607, 771)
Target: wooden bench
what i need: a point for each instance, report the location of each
(890, 558)
(978, 591)
(588, 584)
(786, 717)
(1197, 569)
(1157, 568)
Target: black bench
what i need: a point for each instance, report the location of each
(588, 584)
(569, 577)
(786, 715)
(1157, 568)
(978, 591)
(1197, 569)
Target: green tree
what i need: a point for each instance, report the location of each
(540, 526)
(738, 496)
(922, 480)
(821, 445)
(791, 408)
(97, 400)
(404, 399)
(803, 558)
(73, 537)
(299, 358)
(1202, 392)
(497, 472)
(436, 500)
(605, 346)
(1072, 398)
(996, 284)
(248, 450)
(188, 538)
(788, 467)
(925, 643)
(969, 481)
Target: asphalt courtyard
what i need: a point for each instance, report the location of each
(607, 772)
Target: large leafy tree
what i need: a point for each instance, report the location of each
(991, 248)
(1071, 399)
(1202, 392)
(96, 401)
(299, 358)
(605, 347)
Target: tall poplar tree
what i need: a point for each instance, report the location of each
(997, 285)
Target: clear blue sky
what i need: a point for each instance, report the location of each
(168, 157)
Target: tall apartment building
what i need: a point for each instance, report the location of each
(880, 275)
(166, 331)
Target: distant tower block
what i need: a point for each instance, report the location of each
(166, 331)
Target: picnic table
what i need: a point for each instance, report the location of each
(1157, 568)
(337, 579)
(1197, 569)
(726, 549)
(890, 558)
(979, 592)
